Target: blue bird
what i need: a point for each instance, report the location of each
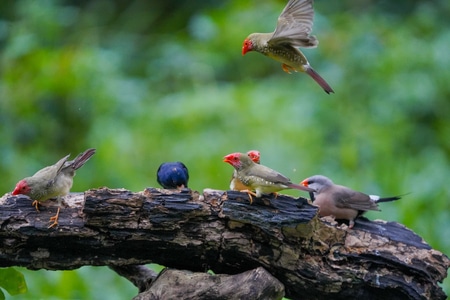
(173, 175)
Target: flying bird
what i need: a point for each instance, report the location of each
(235, 183)
(52, 182)
(259, 178)
(293, 30)
(340, 201)
(173, 175)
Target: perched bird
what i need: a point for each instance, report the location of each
(340, 201)
(52, 182)
(293, 30)
(259, 178)
(235, 183)
(173, 175)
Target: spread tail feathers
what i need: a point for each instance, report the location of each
(82, 158)
(314, 75)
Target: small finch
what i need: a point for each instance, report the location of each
(259, 178)
(293, 30)
(235, 183)
(340, 201)
(52, 182)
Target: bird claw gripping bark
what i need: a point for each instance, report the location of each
(250, 194)
(35, 204)
(54, 219)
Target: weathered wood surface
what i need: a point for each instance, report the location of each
(255, 284)
(221, 231)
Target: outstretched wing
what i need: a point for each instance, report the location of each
(295, 25)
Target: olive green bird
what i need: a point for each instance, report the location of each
(293, 30)
(52, 182)
(259, 178)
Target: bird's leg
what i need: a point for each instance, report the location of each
(54, 219)
(288, 69)
(35, 204)
(249, 193)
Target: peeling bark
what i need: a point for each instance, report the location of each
(216, 230)
(255, 284)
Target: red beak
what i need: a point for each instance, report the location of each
(304, 182)
(228, 158)
(247, 46)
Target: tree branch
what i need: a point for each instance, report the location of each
(141, 276)
(221, 231)
(254, 284)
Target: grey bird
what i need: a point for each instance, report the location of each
(340, 201)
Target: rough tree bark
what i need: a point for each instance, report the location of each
(272, 243)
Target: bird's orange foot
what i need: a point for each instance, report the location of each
(288, 69)
(54, 219)
(275, 195)
(250, 194)
(35, 204)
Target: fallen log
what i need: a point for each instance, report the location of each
(220, 231)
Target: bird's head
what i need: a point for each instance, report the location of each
(233, 159)
(247, 46)
(317, 182)
(254, 155)
(22, 187)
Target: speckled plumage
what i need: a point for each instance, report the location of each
(293, 30)
(235, 183)
(261, 179)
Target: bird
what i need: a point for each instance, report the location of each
(259, 178)
(342, 202)
(292, 31)
(52, 181)
(173, 175)
(235, 183)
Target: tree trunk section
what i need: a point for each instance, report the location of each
(279, 239)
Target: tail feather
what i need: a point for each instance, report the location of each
(300, 187)
(82, 158)
(388, 199)
(314, 75)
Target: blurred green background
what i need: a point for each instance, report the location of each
(152, 81)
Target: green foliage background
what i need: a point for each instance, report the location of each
(152, 81)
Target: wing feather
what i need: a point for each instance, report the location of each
(269, 174)
(294, 25)
(347, 198)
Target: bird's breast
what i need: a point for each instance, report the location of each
(287, 55)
